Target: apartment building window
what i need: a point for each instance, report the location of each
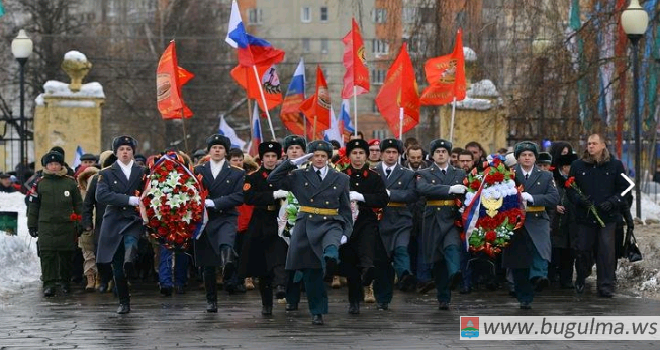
(379, 47)
(378, 76)
(254, 16)
(324, 14)
(427, 15)
(374, 107)
(306, 45)
(306, 14)
(379, 15)
(409, 15)
(324, 45)
(416, 44)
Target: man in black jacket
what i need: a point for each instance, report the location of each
(598, 176)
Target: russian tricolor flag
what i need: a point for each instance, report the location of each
(256, 133)
(252, 51)
(345, 117)
(295, 94)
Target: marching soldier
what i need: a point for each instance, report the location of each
(395, 226)
(224, 184)
(324, 217)
(117, 188)
(368, 191)
(441, 183)
(530, 248)
(53, 201)
(294, 148)
(264, 252)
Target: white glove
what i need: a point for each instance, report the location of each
(356, 196)
(302, 159)
(209, 203)
(343, 240)
(528, 197)
(458, 189)
(388, 193)
(133, 201)
(280, 194)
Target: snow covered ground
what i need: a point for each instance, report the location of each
(19, 264)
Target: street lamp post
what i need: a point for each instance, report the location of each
(634, 21)
(21, 48)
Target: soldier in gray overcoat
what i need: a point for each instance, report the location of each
(118, 189)
(530, 248)
(214, 247)
(324, 217)
(441, 184)
(395, 225)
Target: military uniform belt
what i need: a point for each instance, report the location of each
(535, 209)
(320, 211)
(394, 204)
(441, 203)
(267, 207)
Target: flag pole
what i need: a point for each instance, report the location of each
(314, 132)
(185, 134)
(250, 119)
(355, 108)
(263, 100)
(401, 123)
(453, 115)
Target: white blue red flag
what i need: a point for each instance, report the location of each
(256, 133)
(225, 129)
(295, 95)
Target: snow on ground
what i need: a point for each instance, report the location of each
(19, 264)
(650, 209)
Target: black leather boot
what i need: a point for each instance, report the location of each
(211, 289)
(123, 295)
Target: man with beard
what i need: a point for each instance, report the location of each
(441, 184)
(369, 194)
(395, 225)
(415, 158)
(323, 218)
(224, 184)
(465, 161)
(264, 252)
(530, 248)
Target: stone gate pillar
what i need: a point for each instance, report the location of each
(69, 115)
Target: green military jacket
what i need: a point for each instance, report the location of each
(51, 205)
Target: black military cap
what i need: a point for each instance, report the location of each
(294, 140)
(391, 143)
(4, 176)
(140, 157)
(566, 159)
(88, 156)
(544, 158)
(123, 140)
(199, 153)
(217, 139)
(59, 149)
(52, 156)
(440, 143)
(525, 146)
(357, 143)
(319, 145)
(270, 146)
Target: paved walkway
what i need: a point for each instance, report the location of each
(88, 321)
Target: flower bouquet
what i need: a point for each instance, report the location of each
(570, 183)
(493, 208)
(286, 218)
(172, 205)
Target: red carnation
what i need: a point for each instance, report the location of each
(490, 236)
(475, 185)
(497, 177)
(569, 182)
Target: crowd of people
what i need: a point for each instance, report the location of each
(376, 216)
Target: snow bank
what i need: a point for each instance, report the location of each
(18, 254)
(650, 209)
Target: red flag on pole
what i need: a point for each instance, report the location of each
(169, 79)
(399, 91)
(357, 74)
(270, 84)
(446, 76)
(317, 107)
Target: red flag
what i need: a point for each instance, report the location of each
(169, 79)
(270, 84)
(399, 90)
(357, 74)
(446, 76)
(318, 105)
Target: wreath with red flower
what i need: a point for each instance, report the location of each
(493, 208)
(172, 205)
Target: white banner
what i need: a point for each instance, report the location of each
(560, 328)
